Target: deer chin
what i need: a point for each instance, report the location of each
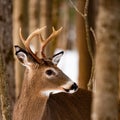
(47, 93)
(69, 88)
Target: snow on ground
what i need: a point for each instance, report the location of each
(69, 64)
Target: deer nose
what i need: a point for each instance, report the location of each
(70, 87)
(74, 86)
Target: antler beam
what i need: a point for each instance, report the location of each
(42, 41)
(46, 41)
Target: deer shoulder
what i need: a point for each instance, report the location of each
(47, 93)
(64, 106)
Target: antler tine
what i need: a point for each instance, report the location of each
(21, 37)
(45, 42)
(34, 33)
(27, 41)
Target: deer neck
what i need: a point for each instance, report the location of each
(31, 104)
(30, 107)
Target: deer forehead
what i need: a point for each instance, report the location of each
(47, 69)
(42, 64)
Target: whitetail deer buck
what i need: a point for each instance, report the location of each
(43, 79)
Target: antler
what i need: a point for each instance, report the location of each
(46, 41)
(43, 42)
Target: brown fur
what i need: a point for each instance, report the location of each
(61, 106)
(65, 106)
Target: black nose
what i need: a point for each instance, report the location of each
(74, 87)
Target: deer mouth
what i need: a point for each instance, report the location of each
(69, 87)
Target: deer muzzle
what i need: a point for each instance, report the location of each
(70, 87)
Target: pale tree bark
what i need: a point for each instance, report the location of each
(34, 13)
(54, 23)
(20, 19)
(43, 15)
(49, 23)
(63, 22)
(105, 98)
(43, 12)
(6, 49)
(16, 25)
(84, 56)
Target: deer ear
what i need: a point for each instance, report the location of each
(56, 58)
(22, 56)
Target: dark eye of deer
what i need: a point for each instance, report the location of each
(49, 72)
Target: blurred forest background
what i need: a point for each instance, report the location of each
(86, 24)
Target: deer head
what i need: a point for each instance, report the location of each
(42, 74)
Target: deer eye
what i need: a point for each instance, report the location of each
(49, 72)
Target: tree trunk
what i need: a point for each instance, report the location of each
(4, 94)
(6, 45)
(105, 102)
(84, 56)
(20, 18)
(63, 22)
(54, 23)
(43, 12)
(92, 13)
(34, 20)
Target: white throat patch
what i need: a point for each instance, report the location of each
(48, 92)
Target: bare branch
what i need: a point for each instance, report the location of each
(82, 15)
(86, 8)
(94, 35)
